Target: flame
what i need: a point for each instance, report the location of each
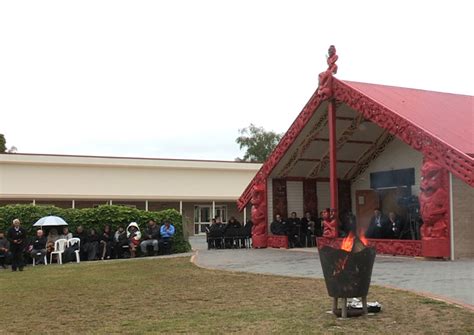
(348, 242)
(363, 239)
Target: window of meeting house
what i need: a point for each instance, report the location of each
(392, 194)
(203, 214)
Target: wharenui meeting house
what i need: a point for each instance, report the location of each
(356, 147)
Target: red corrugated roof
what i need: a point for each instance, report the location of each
(449, 117)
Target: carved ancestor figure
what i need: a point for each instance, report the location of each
(329, 223)
(259, 210)
(325, 78)
(434, 201)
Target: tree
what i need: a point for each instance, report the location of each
(3, 142)
(259, 143)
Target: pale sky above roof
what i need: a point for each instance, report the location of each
(177, 79)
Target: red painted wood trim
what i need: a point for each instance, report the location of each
(282, 147)
(332, 154)
(433, 148)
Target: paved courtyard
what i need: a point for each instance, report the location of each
(452, 280)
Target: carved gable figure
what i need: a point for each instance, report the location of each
(434, 201)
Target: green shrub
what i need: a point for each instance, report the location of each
(94, 218)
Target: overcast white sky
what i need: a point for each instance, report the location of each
(178, 78)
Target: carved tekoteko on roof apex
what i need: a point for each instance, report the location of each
(325, 78)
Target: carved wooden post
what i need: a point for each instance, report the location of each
(434, 210)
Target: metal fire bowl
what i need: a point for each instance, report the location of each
(354, 279)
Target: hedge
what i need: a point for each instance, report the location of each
(94, 218)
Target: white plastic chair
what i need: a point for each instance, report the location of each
(73, 241)
(59, 247)
(45, 260)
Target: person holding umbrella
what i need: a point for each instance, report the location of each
(16, 235)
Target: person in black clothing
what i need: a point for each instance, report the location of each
(38, 250)
(294, 231)
(247, 233)
(394, 226)
(16, 235)
(231, 230)
(216, 232)
(106, 241)
(4, 249)
(151, 237)
(377, 226)
(88, 247)
(120, 242)
(309, 230)
(348, 224)
(94, 239)
(279, 227)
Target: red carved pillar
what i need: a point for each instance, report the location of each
(259, 215)
(434, 210)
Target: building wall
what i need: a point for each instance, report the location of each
(74, 177)
(294, 196)
(270, 201)
(463, 217)
(324, 195)
(397, 155)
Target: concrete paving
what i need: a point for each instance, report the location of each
(449, 280)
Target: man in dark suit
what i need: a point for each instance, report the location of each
(394, 226)
(16, 235)
(295, 230)
(378, 225)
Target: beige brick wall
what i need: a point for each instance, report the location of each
(463, 215)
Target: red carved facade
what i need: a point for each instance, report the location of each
(280, 205)
(388, 247)
(259, 216)
(278, 241)
(434, 205)
(434, 201)
(310, 197)
(330, 226)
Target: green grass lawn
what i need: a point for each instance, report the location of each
(152, 295)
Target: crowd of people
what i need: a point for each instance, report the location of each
(228, 235)
(93, 245)
(301, 232)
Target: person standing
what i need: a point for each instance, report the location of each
(16, 235)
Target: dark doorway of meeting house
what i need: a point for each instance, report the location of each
(391, 191)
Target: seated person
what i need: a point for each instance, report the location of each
(66, 234)
(105, 242)
(231, 230)
(4, 249)
(119, 242)
(151, 235)
(133, 235)
(279, 227)
(52, 237)
(215, 233)
(394, 226)
(295, 230)
(166, 232)
(378, 225)
(38, 247)
(94, 240)
(82, 235)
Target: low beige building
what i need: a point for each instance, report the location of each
(198, 189)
